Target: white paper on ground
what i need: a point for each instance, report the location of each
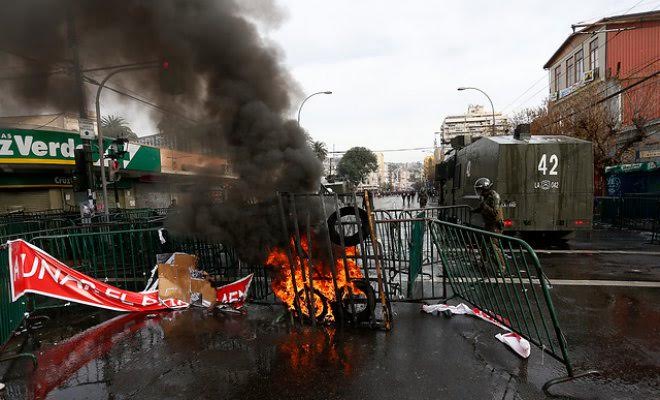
(459, 309)
(517, 343)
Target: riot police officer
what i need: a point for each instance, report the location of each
(489, 208)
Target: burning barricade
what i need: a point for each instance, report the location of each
(307, 286)
(327, 268)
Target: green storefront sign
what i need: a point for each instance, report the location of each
(23, 146)
(636, 167)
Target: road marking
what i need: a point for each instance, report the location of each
(563, 282)
(629, 252)
(598, 282)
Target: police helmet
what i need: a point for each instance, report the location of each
(481, 185)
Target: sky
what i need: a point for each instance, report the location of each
(394, 66)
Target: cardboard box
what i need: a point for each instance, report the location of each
(175, 281)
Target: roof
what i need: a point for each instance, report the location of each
(617, 19)
(536, 139)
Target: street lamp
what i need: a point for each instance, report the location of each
(491, 102)
(104, 182)
(307, 98)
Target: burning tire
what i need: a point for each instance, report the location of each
(364, 302)
(349, 240)
(320, 312)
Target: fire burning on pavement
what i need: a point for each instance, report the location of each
(349, 278)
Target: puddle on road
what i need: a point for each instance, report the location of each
(195, 353)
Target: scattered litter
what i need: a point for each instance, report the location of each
(179, 279)
(2, 386)
(161, 236)
(514, 341)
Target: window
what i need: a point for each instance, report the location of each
(570, 77)
(593, 54)
(579, 65)
(557, 75)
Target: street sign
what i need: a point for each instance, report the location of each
(86, 128)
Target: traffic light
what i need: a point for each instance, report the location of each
(114, 169)
(81, 175)
(171, 75)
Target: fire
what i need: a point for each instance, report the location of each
(323, 291)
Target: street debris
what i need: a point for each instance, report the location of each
(179, 279)
(514, 341)
(179, 284)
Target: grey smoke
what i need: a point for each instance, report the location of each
(237, 93)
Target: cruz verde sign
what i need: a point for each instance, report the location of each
(23, 146)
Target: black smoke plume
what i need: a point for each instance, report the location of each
(236, 94)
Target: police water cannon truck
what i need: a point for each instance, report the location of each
(545, 182)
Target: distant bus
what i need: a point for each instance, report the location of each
(545, 182)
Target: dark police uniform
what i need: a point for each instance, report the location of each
(491, 211)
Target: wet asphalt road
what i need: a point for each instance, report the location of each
(194, 354)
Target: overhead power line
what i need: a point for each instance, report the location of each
(562, 74)
(146, 102)
(618, 92)
(388, 150)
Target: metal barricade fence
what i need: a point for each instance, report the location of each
(640, 212)
(502, 276)
(125, 258)
(11, 313)
(409, 258)
(459, 214)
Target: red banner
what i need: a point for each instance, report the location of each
(35, 271)
(234, 294)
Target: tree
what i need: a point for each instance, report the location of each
(356, 164)
(528, 115)
(319, 148)
(114, 126)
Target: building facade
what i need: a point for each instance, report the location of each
(37, 164)
(477, 121)
(378, 178)
(621, 54)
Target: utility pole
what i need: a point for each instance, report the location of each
(78, 89)
(331, 157)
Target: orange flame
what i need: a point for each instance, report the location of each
(323, 287)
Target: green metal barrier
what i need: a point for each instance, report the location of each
(459, 214)
(502, 276)
(125, 258)
(408, 258)
(11, 314)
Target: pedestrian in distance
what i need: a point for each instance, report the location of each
(423, 198)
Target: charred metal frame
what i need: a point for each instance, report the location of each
(300, 213)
